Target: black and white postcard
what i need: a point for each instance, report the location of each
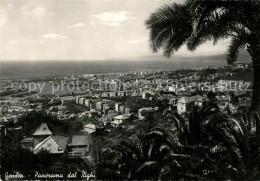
(129, 90)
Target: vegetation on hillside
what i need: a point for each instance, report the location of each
(206, 145)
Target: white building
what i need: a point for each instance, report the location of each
(172, 88)
(117, 106)
(89, 128)
(52, 144)
(117, 120)
(186, 104)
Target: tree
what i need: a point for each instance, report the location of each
(30, 121)
(227, 147)
(107, 165)
(208, 144)
(191, 132)
(197, 21)
(21, 160)
(140, 161)
(193, 140)
(155, 156)
(237, 144)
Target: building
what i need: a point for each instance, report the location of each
(77, 100)
(127, 110)
(82, 101)
(186, 104)
(29, 143)
(121, 109)
(144, 95)
(99, 106)
(121, 94)
(42, 132)
(112, 94)
(172, 88)
(89, 128)
(87, 102)
(52, 144)
(104, 94)
(80, 145)
(117, 106)
(73, 77)
(173, 101)
(117, 120)
(240, 66)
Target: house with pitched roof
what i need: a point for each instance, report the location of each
(53, 144)
(42, 139)
(42, 132)
(186, 104)
(79, 145)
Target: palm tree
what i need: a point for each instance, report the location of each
(143, 160)
(191, 135)
(107, 165)
(197, 21)
(227, 148)
(237, 145)
(207, 145)
(190, 131)
(158, 156)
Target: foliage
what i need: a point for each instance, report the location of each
(207, 145)
(135, 103)
(15, 160)
(74, 109)
(32, 120)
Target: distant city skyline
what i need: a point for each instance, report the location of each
(83, 30)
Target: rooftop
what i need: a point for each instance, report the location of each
(80, 140)
(191, 99)
(124, 116)
(42, 130)
(30, 139)
(62, 141)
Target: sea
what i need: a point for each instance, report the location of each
(32, 69)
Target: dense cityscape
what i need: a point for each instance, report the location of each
(73, 126)
(84, 97)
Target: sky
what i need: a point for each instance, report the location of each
(82, 30)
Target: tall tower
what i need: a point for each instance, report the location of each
(73, 75)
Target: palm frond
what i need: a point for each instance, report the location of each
(146, 165)
(233, 51)
(170, 27)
